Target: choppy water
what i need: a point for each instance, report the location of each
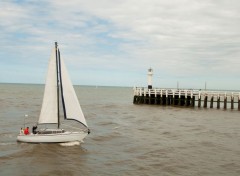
(126, 139)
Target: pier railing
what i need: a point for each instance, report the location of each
(186, 97)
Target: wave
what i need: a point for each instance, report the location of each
(7, 143)
(69, 144)
(116, 127)
(107, 123)
(9, 135)
(107, 137)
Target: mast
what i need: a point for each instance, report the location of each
(57, 63)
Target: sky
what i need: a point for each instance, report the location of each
(191, 43)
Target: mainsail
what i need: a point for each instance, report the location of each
(49, 106)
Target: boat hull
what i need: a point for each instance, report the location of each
(52, 138)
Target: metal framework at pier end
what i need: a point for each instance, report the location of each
(186, 98)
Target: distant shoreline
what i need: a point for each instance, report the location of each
(40, 84)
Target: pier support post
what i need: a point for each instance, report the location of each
(239, 103)
(170, 99)
(155, 96)
(218, 102)
(199, 101)
(173, 99)
(186, 101)
(167, 99)
(193, 101)
(144, 97)
(164, 100)
(134, 99)
(179, 101)
(225, 103)
(141, 99)
(205, 102)
(211, 104)
(158, 99)
(179, 98)
(149, 97)
(232, 102)
(161, 98)
(155, 100)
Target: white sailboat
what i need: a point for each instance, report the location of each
(58, 87)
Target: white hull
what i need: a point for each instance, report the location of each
(52, 138)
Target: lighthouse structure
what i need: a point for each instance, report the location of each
(150, 74)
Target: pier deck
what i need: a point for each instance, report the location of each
(187, 97)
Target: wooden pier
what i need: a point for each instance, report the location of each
(187, 98)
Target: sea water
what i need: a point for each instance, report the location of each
(125, 139)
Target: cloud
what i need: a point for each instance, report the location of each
(186, 39)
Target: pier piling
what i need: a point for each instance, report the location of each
(199, 101)
(205, 102)
(211, 104)
(218, 102)
(232, 102)
(225, 102)
(239, 103)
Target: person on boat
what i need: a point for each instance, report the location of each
(34, 129)
(26, 131)
(21, 131)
